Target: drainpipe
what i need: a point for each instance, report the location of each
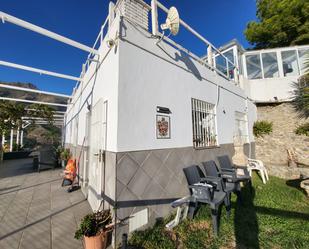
(11, 140)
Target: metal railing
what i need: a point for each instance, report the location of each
(91, 56)
(212, 51)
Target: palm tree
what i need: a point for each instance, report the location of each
(52, 134)
(11, 115)
(301, 92)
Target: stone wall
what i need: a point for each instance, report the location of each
(272, 149)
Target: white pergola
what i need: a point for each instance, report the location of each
(59, 115)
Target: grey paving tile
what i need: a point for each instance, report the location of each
(39, 213)
(139, 156)
(151, 165)
(126, 169)
(162, 154)
(153, 191)
(139, 182)
(37, 236)
(11, 242)
(163, 176)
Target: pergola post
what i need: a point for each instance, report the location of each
(17, 136)
(11, 140)
(22, 138)
(3, 139)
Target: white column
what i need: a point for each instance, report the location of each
(11, 140)
(22, 138)
(17, 136)
(209, 56)
(111, 15)
(154, 17)
(3, 139)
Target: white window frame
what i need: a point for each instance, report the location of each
(204, 119)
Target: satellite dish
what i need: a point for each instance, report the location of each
(172, 21)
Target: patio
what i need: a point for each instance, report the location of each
(35, 211)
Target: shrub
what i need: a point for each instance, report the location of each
(93, 224)
(65, 154)
(261, 128)
(301, 96)
(303, 129)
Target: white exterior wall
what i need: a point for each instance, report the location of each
(264, 90)
(154, 76)
(135, 76)
(105, 85)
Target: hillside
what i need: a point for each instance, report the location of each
(36, 134)
(28, 95)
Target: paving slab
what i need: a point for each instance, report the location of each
(35, 211)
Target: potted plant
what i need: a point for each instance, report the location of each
(93, 229)
(65, 156)
(58, 150)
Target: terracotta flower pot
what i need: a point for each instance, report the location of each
(95, 242)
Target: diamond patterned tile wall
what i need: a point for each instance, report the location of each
(151, 179)
(154, 177)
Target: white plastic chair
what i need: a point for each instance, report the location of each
(258, 165)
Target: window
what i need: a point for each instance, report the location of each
(204, 124)
(270, 65)
(221, 64)
(241, 128)
(303, 56)
(289, 63)
(253, 63)
(230, 55)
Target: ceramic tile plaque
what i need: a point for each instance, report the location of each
(163, 126)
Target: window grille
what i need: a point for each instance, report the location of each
(241, 134)
(204, 124)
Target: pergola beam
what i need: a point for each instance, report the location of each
(33, 90)
(60, 112)
(33, 102)
(40, 71)
(40, 118)
(8, 18)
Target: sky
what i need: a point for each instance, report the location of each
(218, 21)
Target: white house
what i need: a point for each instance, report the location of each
(145, 109)
(266, 75)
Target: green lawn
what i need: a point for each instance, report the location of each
(275, 215)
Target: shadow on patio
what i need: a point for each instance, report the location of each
(35, 211)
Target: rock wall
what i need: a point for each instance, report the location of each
(272, 149)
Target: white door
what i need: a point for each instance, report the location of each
(97, 153)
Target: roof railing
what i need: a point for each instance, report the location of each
(230, 74)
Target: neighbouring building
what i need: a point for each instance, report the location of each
(147, 107)
(268, 77)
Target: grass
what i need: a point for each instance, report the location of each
(275, 215)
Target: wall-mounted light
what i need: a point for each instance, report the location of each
(165, 110)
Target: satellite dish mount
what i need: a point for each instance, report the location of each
(172, 21)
